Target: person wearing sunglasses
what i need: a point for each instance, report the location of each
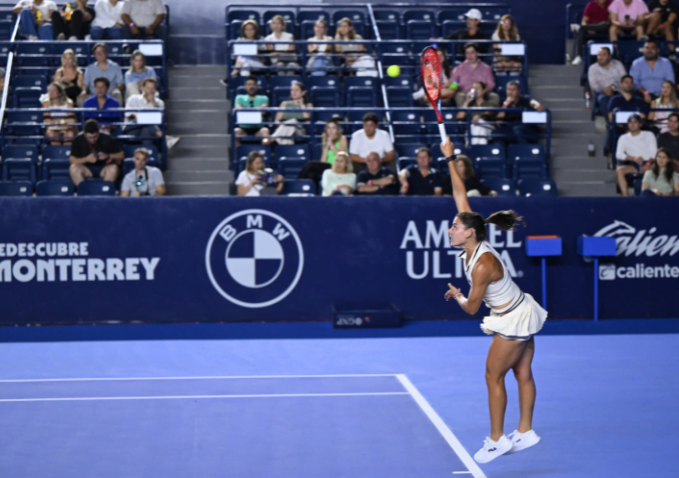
(506, 30)
(251, 100)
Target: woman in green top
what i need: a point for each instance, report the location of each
(333, 141)
(285, 132)
(661, 179)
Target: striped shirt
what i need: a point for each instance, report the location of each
(600, 77)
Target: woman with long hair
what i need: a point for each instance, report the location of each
(60, 128)
(291, 119)
(472, 184)
(506, 30)
(339, 180)
(333, 141)
(350, 51)
(256, 176)
(666, 101)
(319, 62)
(282, 54)
(70, 75)
(661, 179)
(246, 64)
(513, 320)
(138, 72)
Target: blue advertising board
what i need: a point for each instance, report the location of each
(93, 260)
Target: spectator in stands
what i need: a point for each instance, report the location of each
(285, 132)
(94, 153)
(340, 179)
(472, 184)
(421, 179)
(3, 72)
(108, 22)
(103, 67)
(138, 72)
(473, 32)
(661, 179)
(73, 21)
(666, 101)
(248, 64)
(35, 18)
(634, 152)
(334, 142)
(70, 75)
(670, 139)
(350, 52)
(143, 180)
(255, 177)
(626, 99)
(60, 129)
(465, 74)
(663, 14)
(479, 97)
(595, 21)
(376, 180)
(627, 17)
(251, 100)
(650, 71)
(448, 87)
(147, 100)
(144, 18)
(101, 101)
(319, 62)
(371, 139)
(506, 30)
(604, 78)
(280, 52)
(513, 129)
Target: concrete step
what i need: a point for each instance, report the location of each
(203, 116)
(578, 162)
(199, 93)
(583, 175)
(195, 80)
(590, 189)
(202, 188)
(189, 127)
(204, 175)
(204, 140)
(197, 163)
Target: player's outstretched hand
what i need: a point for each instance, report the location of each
(447, 147)
(453, 291)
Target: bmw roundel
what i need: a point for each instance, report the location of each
(254, 258)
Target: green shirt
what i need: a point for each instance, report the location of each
(331, 155)
(660, 183)
(246, 102)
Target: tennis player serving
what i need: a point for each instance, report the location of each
(514, 318)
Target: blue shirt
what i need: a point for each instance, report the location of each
(651, 80)
(112, 72)
(100, 115)
(134, 77)
(634, 104)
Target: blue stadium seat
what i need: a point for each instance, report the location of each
(362, 81)
(288, 15)
(307, 19)
(321, 81)
(20, 152)
(291, 167)
(401, 80)
(437, 154)
(353, 15)
(27, 97)
(55, 169)
(128, 165)
(19, 170)
(405, 161)
(39, 81)
(393, 49)
(492, 151)
(389, 29)
(279, 94)
(408, 150)
(406, 123)
(419, 14)
(33, 53)
(242, 15)
(355, 118)
(528, 161)
(16, 188)
(361, 97)
(284, 81)
(319, 119)
(292, 151)
(299, 187)
(537, 187)
(54, 188)
(316, 151)
(96, 188)
(420, 29)
(243, 150)
(324, 96)
(31, 126)
(503, 187)
(489, 160)
(400, 96)
(391, 15)
(239, 81)
(449, 27)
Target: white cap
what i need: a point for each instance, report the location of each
(474, 14)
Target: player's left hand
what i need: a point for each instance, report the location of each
(452, 292)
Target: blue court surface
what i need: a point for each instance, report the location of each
(344, 407)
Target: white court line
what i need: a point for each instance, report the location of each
(441, 427)
(170, 397)
(462, 473)
(227, 377)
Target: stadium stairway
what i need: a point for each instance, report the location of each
(575, 173)
(197, 112)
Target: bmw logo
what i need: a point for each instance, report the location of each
(254, 258)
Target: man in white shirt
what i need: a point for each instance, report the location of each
(143, 180)
(146, 101)
(143, 18)
(107, 23)
(635, 149)
(35, 18)
(371, 139)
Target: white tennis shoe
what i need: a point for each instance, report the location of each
(521, 441)
(492, 449)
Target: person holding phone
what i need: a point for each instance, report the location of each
(94, 153)
(628, 17)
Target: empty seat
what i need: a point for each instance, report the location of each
(400, 96)
(33, 53)
(321, 81)
(27, 97)
(16, 188)
(242, 15)
(14, 169)
(39, 81)
(53, 188)
(406, 122)
(292, 151)
(389, 29)
(400, 80)
(420, 29)
(537, 187)
(279, 94)
(503, 187)
(291, 167)
(407, 149)
(96, 188)
(361, 96)
(20, 152)
(489, 160)
(528, 161)
(21, 123)
(324, 96)
(299, 187)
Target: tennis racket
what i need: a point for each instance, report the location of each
(431, 78)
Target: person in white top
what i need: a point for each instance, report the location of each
(371, 139)
(514, 317)
(146, 101)
(319, 62)
(143, 19)
(280, 52)
(506, 30)
(107, 23)
(635, 152)
(255, 177)
(35, 15)
(340, 180)
(143, 180)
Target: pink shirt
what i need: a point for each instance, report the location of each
(636, 8)
(465, 76)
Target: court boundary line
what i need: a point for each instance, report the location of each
(441, 426)
(206, 377)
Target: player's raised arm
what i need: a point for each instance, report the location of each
(459, 191)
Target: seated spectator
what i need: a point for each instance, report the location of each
(61, 129)
(255, 177)
(479, 97)
(465, 74)
(634, 152)
(35, 17)
(376, 180)
(626, 100)
(251, 100)
(670, 139)
(94, 153)
(70, 75)
(472, 184)
(102, 102)
(284, 133)
(661, 179)
(595, 21)
(514, 130)
(108, 21)
(143, 19)
(3, 72)
(650, 71)
(663, 14)
(421, 179)
(339, 180)
(472, 32)
(627, 17)
(281, 56)
(371, 139)
(143, 180)
(506, 30)
(247, 65)
(103, 67)
(447, 84)
(138, 72)
(73, 21)
(319, 62)
(604, 78)
(350, 52)
(666, 101)
(334, 142)
(147, 100)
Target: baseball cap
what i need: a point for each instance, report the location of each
(635, 117)
(474, 13)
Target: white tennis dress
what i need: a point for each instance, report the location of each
(523, 316)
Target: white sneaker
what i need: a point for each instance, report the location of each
(61, 36)
(577, 61)
(492, 449)
(73, 38)
(419, 94)
(521, 441)
(32, 37)
(171, 141)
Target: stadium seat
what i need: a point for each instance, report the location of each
(436, 152)
(638, 182)
(492, 151)
(299, 187)
(319, 119)
(355, 118)
(321, 81)
(407, 149)
(361, 97)
(279, 94)
(489, 160)
(239, 82)
(288, 15)
(392, 15)
(242, 163)
(353, 15)
(501, 84)
(400, 96)
(14, 169)
(291, 167)
(406, 123)
(33, 53)
(405, 161)
(528, 161)
(418, 14)
(503, 187)
(242, 15)
(54, 188)
(16, 188)
(243, 150)
(27, 97)
(96, 188)
(154, 155)
(324, 96)
(316, 150)
(292, 151)
(128, 165)
(389, 29)
(400, 80)
(360, 81)
(38, 81)
(420, 29)
(20, 152)
(537, 187)
(31, 123)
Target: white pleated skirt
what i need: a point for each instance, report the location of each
(527, 319)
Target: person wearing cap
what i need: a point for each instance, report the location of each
(472, 33)
(635, 151)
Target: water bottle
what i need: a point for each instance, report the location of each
(472, 93)
(591, 149)
(588, 104)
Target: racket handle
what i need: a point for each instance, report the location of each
(442, 131)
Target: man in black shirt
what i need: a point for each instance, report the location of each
(515, 131)
(661, 19)
(94, 153)
(472, 33)
(376, 180)
(421, 179)
(670, 140)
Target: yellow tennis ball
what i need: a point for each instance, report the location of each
(394, 71)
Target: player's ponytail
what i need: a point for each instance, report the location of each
(505, 220)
